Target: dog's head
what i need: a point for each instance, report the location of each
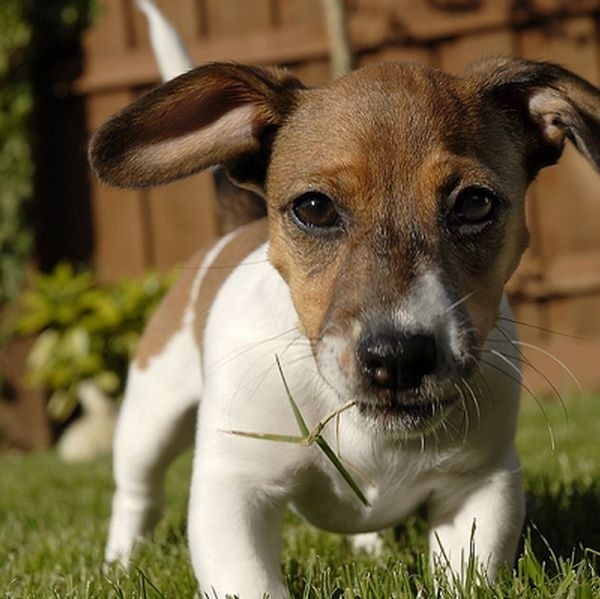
(395, 200)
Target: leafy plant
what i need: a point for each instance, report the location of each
(85, 331)
(16, 167)
(27, 28)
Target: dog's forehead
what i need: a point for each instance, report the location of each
(399, 89)
(373, 120)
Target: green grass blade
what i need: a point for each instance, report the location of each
(269, 437)
(341, 469)
(299, 419)
(308, 438)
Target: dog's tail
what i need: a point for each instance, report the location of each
(169, 50)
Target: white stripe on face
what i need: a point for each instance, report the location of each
(427, 308)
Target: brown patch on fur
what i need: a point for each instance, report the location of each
(245, 241)
(167, 320)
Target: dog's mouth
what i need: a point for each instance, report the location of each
(410, 411)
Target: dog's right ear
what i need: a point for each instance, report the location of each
(550, 104)
(219, 113)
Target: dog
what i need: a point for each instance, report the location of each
(395, 215)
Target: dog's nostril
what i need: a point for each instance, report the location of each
(396, 362)
(382, 372)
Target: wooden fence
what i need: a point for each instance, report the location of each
(557, 286)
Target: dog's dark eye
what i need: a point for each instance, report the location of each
(314, 210)
(474, 206)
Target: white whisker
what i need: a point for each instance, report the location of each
(527, 388)
(458, 303)
(552, 357)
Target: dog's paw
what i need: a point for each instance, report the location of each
(114, 559)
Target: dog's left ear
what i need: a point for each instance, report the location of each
(219, 113)
(548, 104)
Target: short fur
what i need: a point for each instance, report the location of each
(393, 304)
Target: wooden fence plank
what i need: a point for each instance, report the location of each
(284, 45)
(289, 13)
(314, 72)
(231, 17)
(456, 54)
(574, 273)
(530, 321)
(583, 318)
(553, 7)
(23, 419)
(183, 218)
(121, 237)
(580, 357)
(294, 12)
(424, 21)
(401, 53)
(121, 234)
(110, 34)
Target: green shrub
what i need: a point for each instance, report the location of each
(84, 331)
(26, 27)
(16, 168)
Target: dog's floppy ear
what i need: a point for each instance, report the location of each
(548, 102)
(219, 113)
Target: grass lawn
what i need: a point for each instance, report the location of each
(53, 521)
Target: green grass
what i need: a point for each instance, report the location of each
(53, 520)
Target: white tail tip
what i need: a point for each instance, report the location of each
(169, 50)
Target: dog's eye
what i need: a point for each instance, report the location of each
(474, 206)
(314, 210)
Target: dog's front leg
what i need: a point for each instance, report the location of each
(235, 534)
(480, 521)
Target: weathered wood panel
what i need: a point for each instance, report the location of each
(182, 218)
(23, 417)
(121, 236)
(232, 17)
(111, 33)
(458, 53)
(279, 45)
(558, 282)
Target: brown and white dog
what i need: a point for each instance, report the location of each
(395, 204)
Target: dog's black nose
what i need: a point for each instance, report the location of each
(395, 361)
